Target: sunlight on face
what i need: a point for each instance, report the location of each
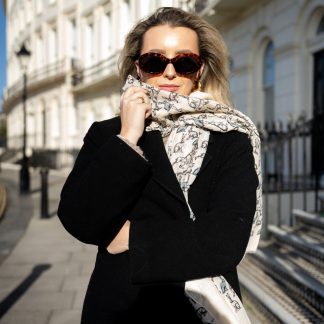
(170, 41)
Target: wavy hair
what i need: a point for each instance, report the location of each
(213, 50)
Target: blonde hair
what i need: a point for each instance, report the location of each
(213, 50)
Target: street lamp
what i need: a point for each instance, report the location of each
(24, 55)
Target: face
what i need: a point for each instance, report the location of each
(170, 41)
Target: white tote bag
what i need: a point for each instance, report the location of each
(215, 301)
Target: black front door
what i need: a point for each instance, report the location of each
(318, 115)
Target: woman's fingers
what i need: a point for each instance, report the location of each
(120, 243)
(138, 96)
(133, 90)
(135, 108)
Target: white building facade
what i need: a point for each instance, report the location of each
(277, 76)
(72, 76)
(277, 52)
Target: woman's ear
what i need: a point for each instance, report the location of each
(200, 72)
(138, 71)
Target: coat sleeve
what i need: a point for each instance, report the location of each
(179, 249)
(107, 178)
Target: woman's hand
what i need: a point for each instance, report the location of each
(120, 243)
(134, 109)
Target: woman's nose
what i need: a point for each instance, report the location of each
(170, 71)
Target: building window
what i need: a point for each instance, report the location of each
(232, 79)
(231, 64)
(56, 118)
(72, 38)
(268, 82)
(320, 28)
(53, 51)
(89, 44)
(125, 19)
(106, 35)
(73, 120)
(39, 51)
(28, 11)
(44, 127)
(21, 18)
(90, 118)
(15, 26)
(39, 6)
(31, 125)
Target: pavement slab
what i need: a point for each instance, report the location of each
(27, 317)
(18, 212)
(65, 317)
(45, 272)
(52, 283)
(45, 287)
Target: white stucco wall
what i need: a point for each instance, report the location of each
(57, 116)
(291, 26)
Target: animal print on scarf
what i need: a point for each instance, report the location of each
(186, 121)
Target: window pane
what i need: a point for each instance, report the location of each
(268, 82)
(320, 28)
(268, 69)
(72, 39)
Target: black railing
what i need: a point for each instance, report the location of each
(94, 73)
(52, 158)
(293, 161)
(50, 70)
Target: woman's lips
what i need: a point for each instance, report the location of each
(169, 87)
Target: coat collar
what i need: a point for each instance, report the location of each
(154, 150)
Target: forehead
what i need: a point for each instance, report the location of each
(166, 38)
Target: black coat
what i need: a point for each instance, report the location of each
(111, 183)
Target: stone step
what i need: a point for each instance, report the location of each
(299, 281)
(296, 258)
(310, 219)
(266, 296)
(309, 245)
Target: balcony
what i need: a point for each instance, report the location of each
(84, 78)
(219, 12)
(38, 79)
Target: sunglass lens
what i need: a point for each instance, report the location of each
(152, 64)
(186, 65)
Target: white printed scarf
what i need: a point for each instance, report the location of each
(186, 121)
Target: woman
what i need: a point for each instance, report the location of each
(167, 191)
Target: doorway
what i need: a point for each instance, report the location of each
(318, 120)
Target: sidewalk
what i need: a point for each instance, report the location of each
(44, 277)
(43, 280)
(18, 211)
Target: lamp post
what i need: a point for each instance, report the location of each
(24, 55)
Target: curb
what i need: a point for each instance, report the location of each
(3, 200)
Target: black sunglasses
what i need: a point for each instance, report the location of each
(155, 63)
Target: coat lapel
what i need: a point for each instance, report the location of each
(163, 174)
(208, 156)
(154, 150)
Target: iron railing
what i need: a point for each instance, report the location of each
(94, 73)
(293, 160)
(46, 72)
